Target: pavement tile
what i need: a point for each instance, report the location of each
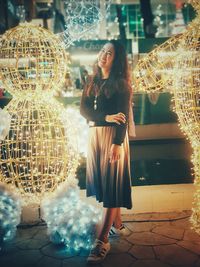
(57, 252)
(175, 255)
(25, 233)
(197, 264)
(118, 260)
(166, 215)
(41, 234)
(171, 232)
(148, 238)
(140, 226)
(140, 217)
(119, 246)
(48, 262)
(149, 263)
(184, 223)
(21, 259)
(77, 262)
(191, 235)
(32, 244)
(193, 247)
(153, 242)
(142, 252)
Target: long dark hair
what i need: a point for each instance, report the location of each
(119, 78)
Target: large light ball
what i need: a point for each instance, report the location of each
(38, 154)
(195, 4)
(31, 60)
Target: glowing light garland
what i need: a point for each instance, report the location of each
(82, 17)
(70, 221)
(38, 153)
(10, 212)
(179, 72)
(81, 127)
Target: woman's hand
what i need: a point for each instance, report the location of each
(115, 153)
(117, 118)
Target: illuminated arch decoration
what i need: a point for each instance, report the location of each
(175, 66)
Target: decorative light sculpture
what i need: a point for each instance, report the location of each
(10, 212)
(70, 220)
(38, 154)
(82, 17)
(179, 72)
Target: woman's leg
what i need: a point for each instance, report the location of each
(108, 219)
(117, 223)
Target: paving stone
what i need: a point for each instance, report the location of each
(48, 262)
(118, 260)
(166, 215)
(140, 226)
(197, 264)
(171, 232)
(21, 259)
(149, 263)
(8, 249)
(41, 234)
(57, 252)
(184, 223)
(191, 235)
(193, 247)
(119, 246)
(25, 233)
(142, 252)
(76, 262)
(175, 255)
(162, 223)
(148, 238)
(141, 217)
(32, 244)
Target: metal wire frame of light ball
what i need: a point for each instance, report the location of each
(175, 67)
(39, 153)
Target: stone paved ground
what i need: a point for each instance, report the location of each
(153, 240)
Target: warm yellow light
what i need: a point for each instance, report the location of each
(40, 151)
(179, 73)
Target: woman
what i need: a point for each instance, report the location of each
(105, 104)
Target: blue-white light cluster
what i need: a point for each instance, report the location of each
(70, 220)
(10, 212)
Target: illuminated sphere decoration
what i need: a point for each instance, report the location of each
(38, 153)
(32, 60)
(175, 66)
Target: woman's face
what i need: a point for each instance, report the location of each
(106, 56)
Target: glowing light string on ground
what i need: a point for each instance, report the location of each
(70, 220)
(178, 71)
(81, 17)
(38, 154)
(10, 212)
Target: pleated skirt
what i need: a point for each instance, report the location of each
(109, 182)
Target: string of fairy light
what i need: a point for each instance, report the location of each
(82, 18)
(38, 153)
(175, 67)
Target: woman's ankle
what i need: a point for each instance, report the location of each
(117, 225)
(103, 239)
